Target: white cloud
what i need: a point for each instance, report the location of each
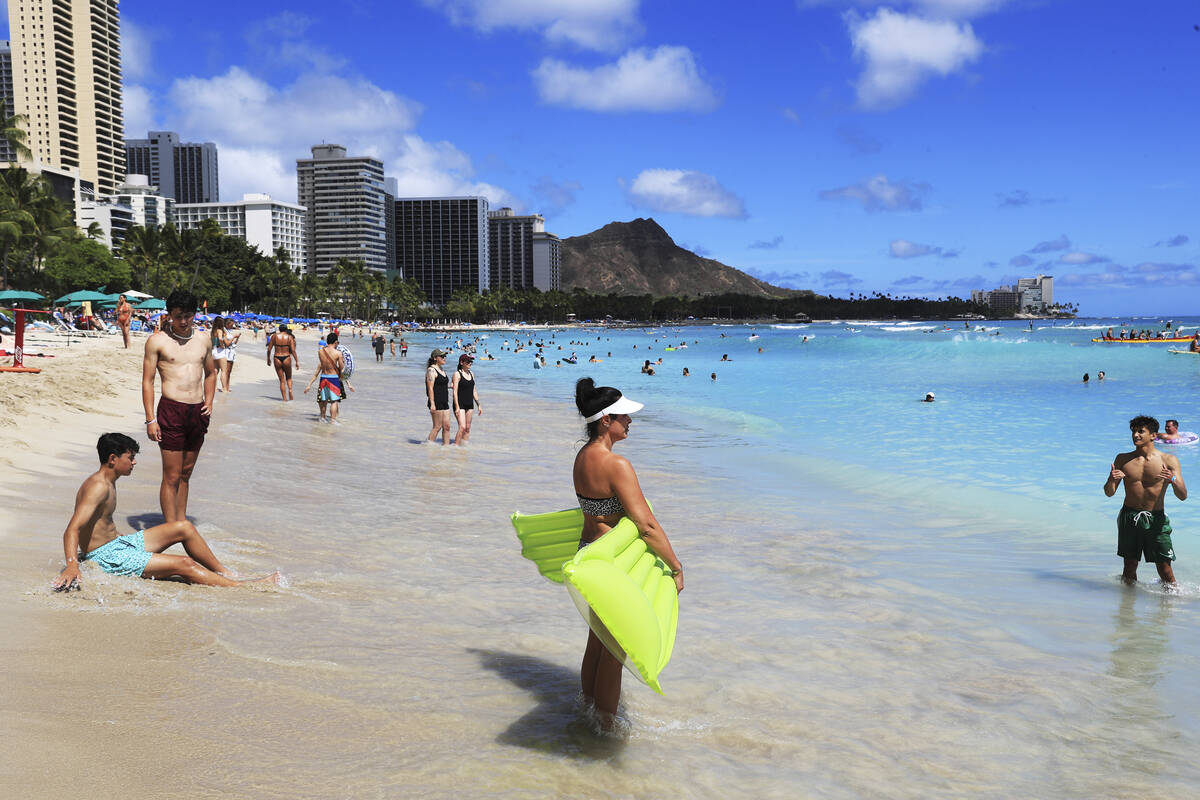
(239, 107)
(137, 111)
(261, 130)
(255, 169)
(685, 192)
(1078, 257)
(902, 248)
(593, 24)
(880, 194)
(900, 51)
(1050, 245)
(1145, 275)
(136, 50)
(663, 79)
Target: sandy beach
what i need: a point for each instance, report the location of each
(48, 430)
(907, 620)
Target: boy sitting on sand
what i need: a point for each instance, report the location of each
(91, 531)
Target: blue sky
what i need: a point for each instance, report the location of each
(925, 147)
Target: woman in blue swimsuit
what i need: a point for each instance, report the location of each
(608, 489)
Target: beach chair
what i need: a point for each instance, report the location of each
(61, 327)
(6, 324)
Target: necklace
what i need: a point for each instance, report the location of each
(178, 338)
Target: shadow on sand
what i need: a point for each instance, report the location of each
(140, 522)
(555, 725)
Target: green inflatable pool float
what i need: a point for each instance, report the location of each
(624, 592)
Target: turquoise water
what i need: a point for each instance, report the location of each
(885, 598)
(1012, 416)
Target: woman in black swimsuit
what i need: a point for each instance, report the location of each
(466, 397)
(437, 390)
(608, 489)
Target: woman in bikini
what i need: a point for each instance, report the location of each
(608, 489)
(284, 345)
(124, 312)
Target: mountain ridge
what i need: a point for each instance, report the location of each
(640, 257)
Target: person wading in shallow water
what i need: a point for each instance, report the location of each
(608, 489)
(1142, 525)
(286, 357)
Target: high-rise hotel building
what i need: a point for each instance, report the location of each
(522, 255)
(443, 243)
(7, 155)
(344, 197)
(66, 59)
(185, 171)
(261, 221)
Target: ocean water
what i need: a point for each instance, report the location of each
(884, 597)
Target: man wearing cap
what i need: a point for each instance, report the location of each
(928, 397)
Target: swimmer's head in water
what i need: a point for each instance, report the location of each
(1149, 423)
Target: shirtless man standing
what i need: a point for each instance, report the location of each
(1142, 525)
(329, 369)
(91, 532)
(124, 312)
(286, 357)
(189, 381)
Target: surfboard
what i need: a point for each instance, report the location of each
(1183, 352)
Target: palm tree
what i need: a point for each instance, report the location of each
(11, 128)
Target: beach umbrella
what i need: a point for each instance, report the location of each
(135, 295)
(82, 297)
(16, 294)
(152, 303)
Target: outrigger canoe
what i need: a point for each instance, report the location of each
(1173, 340)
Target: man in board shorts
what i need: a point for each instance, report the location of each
(184, 360)
(1143, 529)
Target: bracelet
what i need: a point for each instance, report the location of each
(150, 421)
(72, 560)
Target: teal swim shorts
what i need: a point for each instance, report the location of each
(124, 555)
(1144, 534)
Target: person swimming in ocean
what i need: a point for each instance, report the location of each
(92, 534)
(1143, 529)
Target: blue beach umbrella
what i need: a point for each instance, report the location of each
(83, 296)
(17, 294)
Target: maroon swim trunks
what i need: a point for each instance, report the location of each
(182, 425)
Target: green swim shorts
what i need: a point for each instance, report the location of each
(1144, 533)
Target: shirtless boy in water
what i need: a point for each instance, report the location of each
(91, 532)
(184, 360)
(1142, 525)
